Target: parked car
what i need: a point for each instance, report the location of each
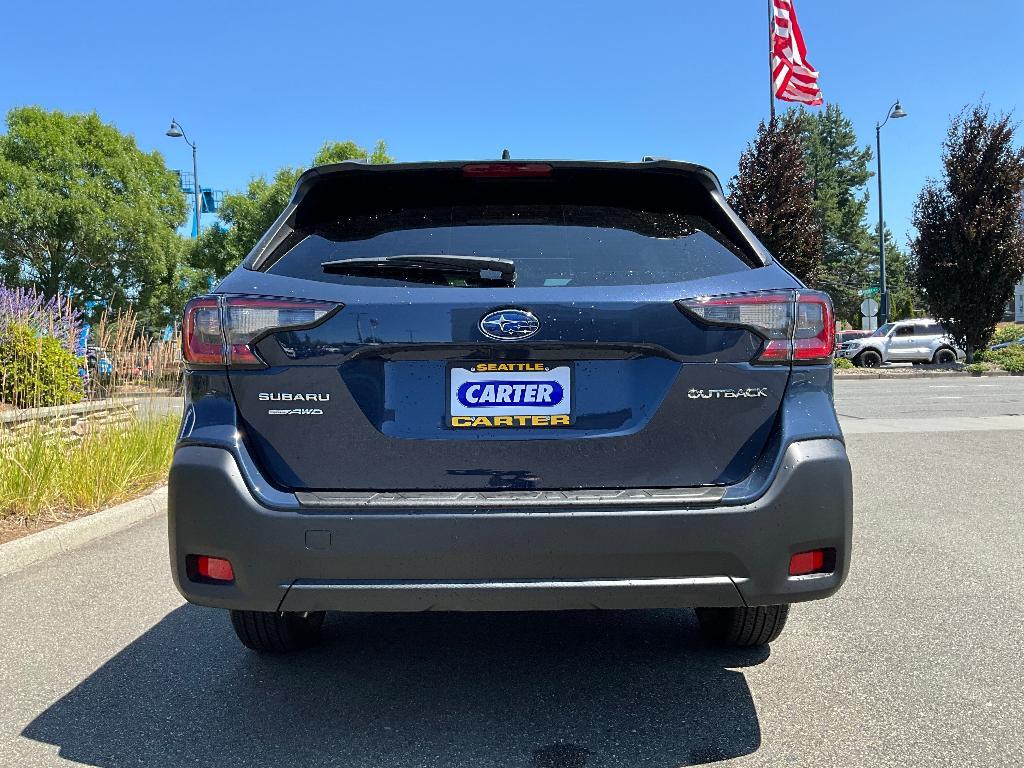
(914, 341)
(1011, 343)
(508, 386)
(844, 336)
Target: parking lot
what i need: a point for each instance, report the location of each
(915, 662)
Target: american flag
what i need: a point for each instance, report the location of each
(793, 77)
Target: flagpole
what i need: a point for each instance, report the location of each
(771, 82)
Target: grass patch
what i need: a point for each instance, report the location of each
(41, 473)
(977, 369)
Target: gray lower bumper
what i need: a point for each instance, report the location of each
(551, 557)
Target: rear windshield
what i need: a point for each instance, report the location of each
(551, 244)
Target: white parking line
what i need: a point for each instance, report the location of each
(945, 397)
(932, 424)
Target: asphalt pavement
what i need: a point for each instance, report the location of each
(916, 662)
(929, 398)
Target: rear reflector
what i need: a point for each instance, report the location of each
(796, 325)
(214, 568)
(505, 170)
(814, 561)
(220, 330)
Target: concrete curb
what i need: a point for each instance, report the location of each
(20, 553)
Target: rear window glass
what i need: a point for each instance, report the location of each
(552, 245)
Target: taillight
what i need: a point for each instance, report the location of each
(796, 325)
(814, 337)
(202, 339)
(220, 330)
(248, 319)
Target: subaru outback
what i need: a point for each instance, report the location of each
(508, 386)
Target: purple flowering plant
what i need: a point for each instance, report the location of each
(54, 317)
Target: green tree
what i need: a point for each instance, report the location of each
(970, 224)
(839, 170)
(250, 213)
(905, 297)
(82, 209)
(177, 282)
(773, 194)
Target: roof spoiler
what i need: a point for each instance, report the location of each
(282, 227)
(649, 163)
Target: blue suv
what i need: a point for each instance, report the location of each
(478, 386)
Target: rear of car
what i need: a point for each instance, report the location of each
(508, 386)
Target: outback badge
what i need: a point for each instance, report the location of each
(705, 394)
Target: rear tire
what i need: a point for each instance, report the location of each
(280, 632)
(944, 356)
(869, 358)
(742, 627)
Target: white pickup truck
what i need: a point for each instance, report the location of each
(907, 341)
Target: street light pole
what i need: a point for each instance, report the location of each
(176, 131)
(199, 202)
(895, 112)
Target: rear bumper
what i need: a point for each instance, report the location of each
(576, 556)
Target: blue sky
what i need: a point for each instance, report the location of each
(261, 85)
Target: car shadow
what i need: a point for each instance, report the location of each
(540, 690)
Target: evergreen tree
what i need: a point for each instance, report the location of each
(905, 297)
(839, 170)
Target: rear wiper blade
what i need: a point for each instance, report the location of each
(427, 267)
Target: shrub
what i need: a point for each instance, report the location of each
(842, 363)
(36, 371)
(1009, 359)
(977, 369)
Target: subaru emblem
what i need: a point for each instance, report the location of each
(509, 324)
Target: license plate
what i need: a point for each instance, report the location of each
(502, 395)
